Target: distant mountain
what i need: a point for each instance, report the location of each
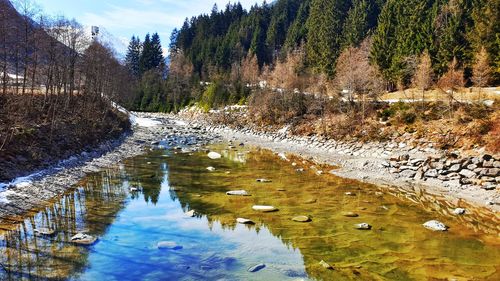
(108, 39)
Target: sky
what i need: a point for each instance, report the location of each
(124, 18)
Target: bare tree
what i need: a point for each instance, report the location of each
(451, 81)
(250, 69)
(423, 78)
(356, 76)
(481, 70)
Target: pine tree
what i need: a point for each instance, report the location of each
(145, 59)
(133, 56)
(157, 58)
(324, 27)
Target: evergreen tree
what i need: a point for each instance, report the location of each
(145, 59)
(133, 56)
(297, 32)
(324, 27)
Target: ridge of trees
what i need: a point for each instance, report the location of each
(220, 45)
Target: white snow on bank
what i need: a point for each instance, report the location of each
(135, 120)
(180, 123)
(21, 182)
(143, 122)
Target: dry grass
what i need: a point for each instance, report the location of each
(463, 95)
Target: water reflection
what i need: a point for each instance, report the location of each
(130, 224)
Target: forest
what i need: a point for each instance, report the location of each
(294, 44)
(56, 88)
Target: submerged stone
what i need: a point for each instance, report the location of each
(244, 221)
(44, 231)
(238, 193)
(263, 180)
(350, 193)
(310, 201)
(263, 208)
(325, 265)
(301, 219)
(350, 214)
(435, 225)
(257, 267)
(214, 155)
(168, 245)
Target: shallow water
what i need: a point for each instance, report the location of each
(212, 246)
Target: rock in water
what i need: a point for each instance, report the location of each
(133, 189)
(310, 201)
(363, 226)
(214, 155)
(83, 239)
(244, 221)
(210, 169)
(350, 193)
(301, 219)
(168, 245)
(435, 225)
(257, 267)
(350, 214)
(263, 208)
(191, 213)
(325, 264)
(263, 180)
(459, 211)
(238, 193)
(44, 231)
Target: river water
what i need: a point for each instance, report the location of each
(212, 246)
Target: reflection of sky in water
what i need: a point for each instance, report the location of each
(128, 250)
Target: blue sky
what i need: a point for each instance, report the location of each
(124, 18)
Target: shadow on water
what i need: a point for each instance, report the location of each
(212, 246)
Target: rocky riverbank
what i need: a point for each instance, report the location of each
(28, 193)
(472, 176)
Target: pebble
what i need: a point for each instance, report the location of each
(210, 169)
(459, 211)
(238, 193)
(263, 180)
(435, 225)
(350, 214)
(256, 267)
(214, 155)
(264, 208)
(363, 226)
(301, 219)
(244, 221)
(83, 239)
(325, 265)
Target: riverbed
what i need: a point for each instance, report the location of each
(163, 215)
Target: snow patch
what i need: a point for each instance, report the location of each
(143, 122)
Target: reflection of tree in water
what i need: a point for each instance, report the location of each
(397, 248)
(146, 176)
(91, 208)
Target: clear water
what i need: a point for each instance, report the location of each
(212, 246)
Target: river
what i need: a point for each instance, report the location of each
(130, 225)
